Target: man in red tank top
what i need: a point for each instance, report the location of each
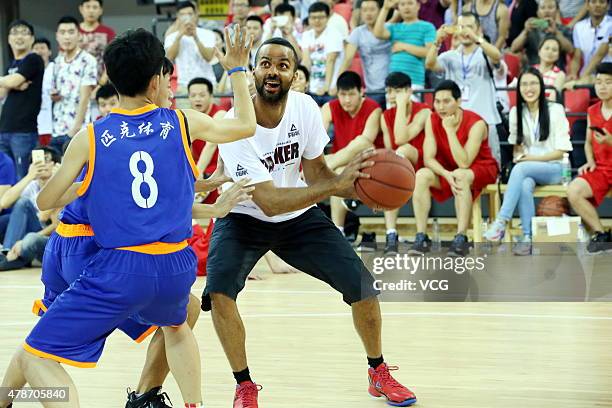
(403, 127)
(458, 162)
(356, 121)
(594, 179)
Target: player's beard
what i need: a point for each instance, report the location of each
(271, 97)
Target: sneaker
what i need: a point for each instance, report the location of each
(460, 246)
(382, 384)
(246, 395)
(391, 243)
(368, 242)
(600, 242)
(153, 398)
(351, 204)
(522, 247)
(421, 245)
(496, 231)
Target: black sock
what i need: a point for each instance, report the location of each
(242, 376)
(375, 362)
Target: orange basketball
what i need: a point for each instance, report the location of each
(553, 206)
(390, 184)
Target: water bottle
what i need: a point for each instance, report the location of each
(566, 170)
(435, 235)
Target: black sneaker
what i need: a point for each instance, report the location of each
(460, 246)
(351, 204)
(368, 242)
(153, 398)
(391, 243)
(600, 242)
(422, 244)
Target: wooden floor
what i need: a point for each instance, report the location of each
(304, 351)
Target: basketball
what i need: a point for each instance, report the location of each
(390, 184)
(553, 206)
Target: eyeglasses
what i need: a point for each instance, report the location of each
(532, 84)
(24, 32)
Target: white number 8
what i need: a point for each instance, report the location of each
(145, 177)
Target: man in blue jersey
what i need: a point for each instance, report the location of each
(138, 193)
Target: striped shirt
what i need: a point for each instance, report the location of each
(418, 33)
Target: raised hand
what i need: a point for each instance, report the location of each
(237, 49)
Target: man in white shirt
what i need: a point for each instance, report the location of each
(191, 48)
(588, 35)
(282, 217)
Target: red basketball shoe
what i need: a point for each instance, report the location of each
(382, 384)
(246, 395)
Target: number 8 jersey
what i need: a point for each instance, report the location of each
(139, 187)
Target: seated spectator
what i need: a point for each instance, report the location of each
(254, 27)
(552, 74)
(74, 78)
(470, 66)
(224, 86)
(191, 48)
(42, 47)
(284, 24)
(301, 81)
(594, 179)
(95, 36)
(538, 29)
(375, 54)
(21, 198)
(22, 87)
(356, 121)
(403, 127)
(539, 132)
(589, 34)
(321, 52)
(7, 178)
(205, 154)
(494, 19)
(458, 162)
(107, 99)
(411, 39)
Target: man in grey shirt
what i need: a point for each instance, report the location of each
(467, 66)
(375, 54)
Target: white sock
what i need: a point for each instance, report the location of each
(391, 231)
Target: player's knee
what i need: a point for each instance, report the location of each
(21, 204)
(424, 178)
(576, 191)
(222, 305)
(193, 310)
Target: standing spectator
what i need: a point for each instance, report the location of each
(22, 87)
(552, 74)
(375, 54)
(216, 65)
(42, 47)
(190, 47)
(493, 18)
(74, 78)
(433, 11)
(411, 39)
(302, 79)
(284, 24)
(539, 131)
(240, 12)
(95, 36)
(520, 11)
(254, 27)
(536, 30)
(594, 179)
(467, 67)
(321, 47)
(336, 21)
(589, 34)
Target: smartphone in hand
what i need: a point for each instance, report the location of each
(38, 155)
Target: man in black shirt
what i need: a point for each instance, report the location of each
(22, 87)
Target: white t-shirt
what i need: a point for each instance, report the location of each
(189, 62)
(319, 47)
(45, 116)
(276, 154)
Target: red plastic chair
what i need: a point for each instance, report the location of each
(226, 103)
(576, 101)
(345, 10)
(514, 65)
(428, 99)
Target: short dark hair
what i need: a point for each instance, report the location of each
(68, 20)
(398, 80)
(448, 85)
(305, 71)
(101, 2)
(605, 68)
(167, 67)
(378, 2)
(106, 91)
(349, 80)
(278, 41)
(132, 59)
(283, 8)
(470, 14)
(42, 40)
(319, 6)
(184, 4)
(201, 81)
(20, 22)
(255, 18)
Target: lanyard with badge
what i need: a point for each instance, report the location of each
(534, 123)
(465, 70)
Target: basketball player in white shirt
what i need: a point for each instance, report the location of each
(282, 217)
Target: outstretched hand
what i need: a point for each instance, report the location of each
(237, 49)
